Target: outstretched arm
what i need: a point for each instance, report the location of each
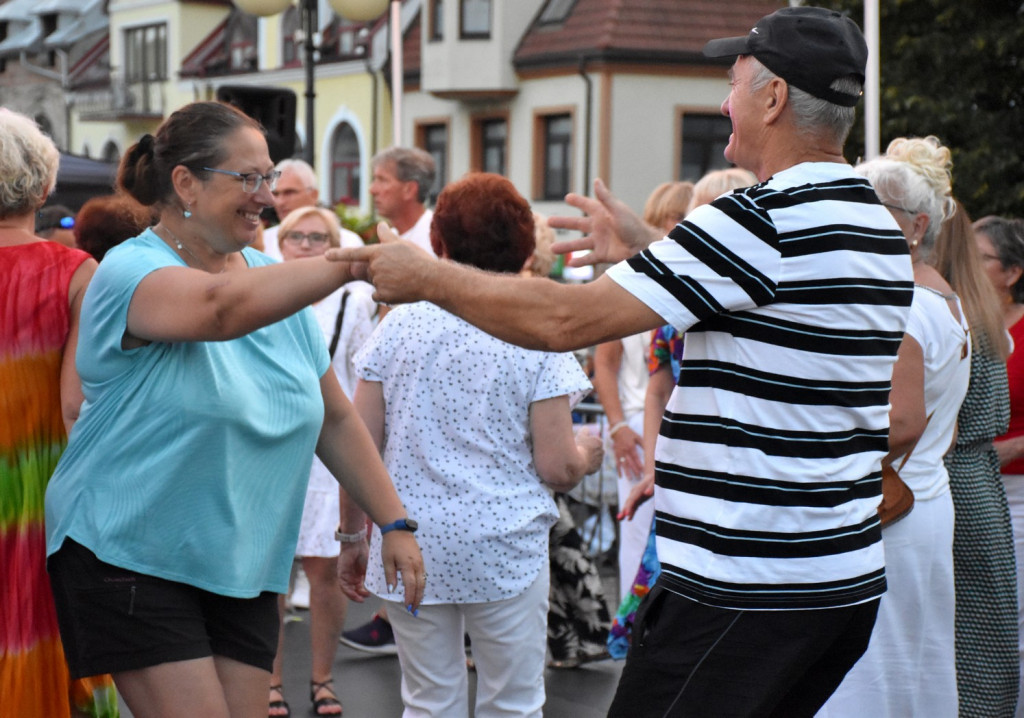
(530, 312)
(183, 304)
(611, 230)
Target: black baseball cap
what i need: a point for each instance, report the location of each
(808, 47)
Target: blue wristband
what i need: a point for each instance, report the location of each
(409, 525)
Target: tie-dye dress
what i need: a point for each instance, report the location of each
(34, 323)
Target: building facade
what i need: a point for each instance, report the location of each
(550, 93)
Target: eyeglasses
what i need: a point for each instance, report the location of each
(315, 239)
(251, 181)
(901, 209)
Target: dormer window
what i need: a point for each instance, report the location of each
(475, 19)
(555, 12)
(435, 31)
(49, 22)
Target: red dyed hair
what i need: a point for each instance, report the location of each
(481, 220)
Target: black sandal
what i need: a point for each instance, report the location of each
(279, 705)
(327, 701)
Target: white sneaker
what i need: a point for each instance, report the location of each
(300, 590)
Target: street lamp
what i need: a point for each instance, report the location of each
(356, 10)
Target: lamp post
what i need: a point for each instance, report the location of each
(356, 10)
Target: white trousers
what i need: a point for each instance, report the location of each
(509, 641)
(909, 668)
(633, 534)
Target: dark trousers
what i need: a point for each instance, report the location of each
(688, 659)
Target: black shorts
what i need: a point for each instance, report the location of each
(112, 619)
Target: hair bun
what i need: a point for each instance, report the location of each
(145, 145)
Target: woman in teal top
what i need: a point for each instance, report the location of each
(173, 515)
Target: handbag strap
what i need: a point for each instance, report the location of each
(337, 324)
(913, 446)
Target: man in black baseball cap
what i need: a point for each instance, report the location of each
(808, 47)
(794, 295)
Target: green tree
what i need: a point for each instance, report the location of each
(955, 69)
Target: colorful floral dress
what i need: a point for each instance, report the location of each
(666, 348)
(34, 324)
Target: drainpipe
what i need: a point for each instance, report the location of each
(588, 114)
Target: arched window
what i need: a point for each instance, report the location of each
(291, 34)
(345, 169)
(110, 152)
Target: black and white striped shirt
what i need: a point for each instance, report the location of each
(794, 295)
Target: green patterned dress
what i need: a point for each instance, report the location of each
(987, 662)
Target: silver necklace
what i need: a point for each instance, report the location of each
(182, 248)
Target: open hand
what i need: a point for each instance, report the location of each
(610, 229)
(640, 493)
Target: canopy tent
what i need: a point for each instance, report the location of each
(80, 179)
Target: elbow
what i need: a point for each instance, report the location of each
(562, 331)
(561, 477)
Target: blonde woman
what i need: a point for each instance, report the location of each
(909, 666)
(346, 319)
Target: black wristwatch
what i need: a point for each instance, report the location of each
(409, 525)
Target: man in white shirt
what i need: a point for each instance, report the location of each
(297, 187)
(402, 177)
(794, 296)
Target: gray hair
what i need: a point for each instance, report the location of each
(914, 175)
(411, 165)
(28, 165)
(301, 168)
(812, 114)
(1007, 237)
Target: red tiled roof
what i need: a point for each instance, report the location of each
(639, 30)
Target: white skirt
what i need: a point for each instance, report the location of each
(909, 668)
(320, 515)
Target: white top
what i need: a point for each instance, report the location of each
(633, 374)
(419, 233)
(947, 370)
(356, 327)
(272, 247)
(794, 295)
(458, 447)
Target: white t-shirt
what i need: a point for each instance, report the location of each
(419, 233)
(633, 374)
(356, 327)
(947, 370)
(458, 447)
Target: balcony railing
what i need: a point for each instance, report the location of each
(122, 99)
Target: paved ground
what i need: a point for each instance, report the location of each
(369, 685)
